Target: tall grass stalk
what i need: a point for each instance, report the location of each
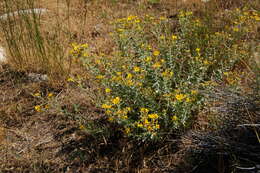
(31, 45)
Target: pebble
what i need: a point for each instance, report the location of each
(2, 54)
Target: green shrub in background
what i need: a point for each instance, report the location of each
(152, 83)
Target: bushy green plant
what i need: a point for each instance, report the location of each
(152, 83)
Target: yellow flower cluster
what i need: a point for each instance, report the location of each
(106, 106)
(148, 122)
(156, 53)
(167, 73)
(128, 78)
(116, 113)
(38, 108)
(180, 97)
(245, 20)
(127, 23)
(79, 49)
(185, 14)
(113, 101)
(116, 100)
(37, 94)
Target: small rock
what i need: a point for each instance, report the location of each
(2, 54)
(37, 77)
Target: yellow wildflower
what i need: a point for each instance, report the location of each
(174, 37)
(37, 108)
(114, 78)
(37, 95)
(100, 77)
(131, 17)
(139, 125)
(120, 30)
(181, 14)
(128, 108)
(226, 73)
(189, 13)
(136, 69)
(50, 95)
(97, 61)
(156, 53)
(162, 37)
(146, 122)
(129, 76)
(144, 110)
(235, 29)
(157, 126)
(70, 79)
(84, 45)
(188, 100)
(106, 106)
(129, 82)
(149, 128)
(127, 130)
(180, 97)
(164, 74)
(81, 127)
(174, 118)
(119, 112)
(167, 73)
(123, 67)
(137, 21)
(162, 18)
(124, 117)
(148, 59)
(118, 73)
(257, 18)
(206, 62)
(139, 84)
(116, 100)
(197, 49)
(153, 116)
(156, 65)
(108, 90)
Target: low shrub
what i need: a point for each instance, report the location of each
(153, 81)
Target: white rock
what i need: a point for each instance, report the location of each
(29, 11)
(2, 54)
(35, 77)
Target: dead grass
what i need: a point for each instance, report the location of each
(52, 142)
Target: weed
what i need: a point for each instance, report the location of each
(152, 83)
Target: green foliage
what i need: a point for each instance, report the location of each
(152, 83)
